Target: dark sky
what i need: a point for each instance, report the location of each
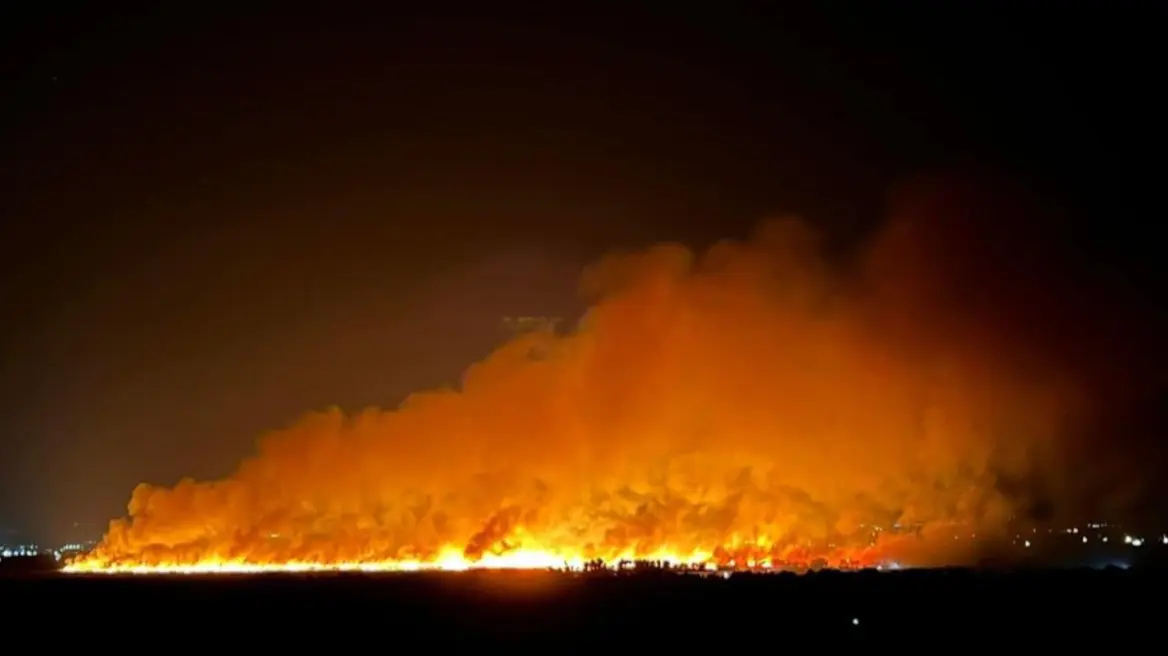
(213, 224)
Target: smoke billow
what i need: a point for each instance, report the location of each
(753, 400)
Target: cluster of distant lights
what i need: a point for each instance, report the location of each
(22, 551)
(32, 550)
(1132, 541)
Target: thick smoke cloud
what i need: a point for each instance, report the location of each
(751, 400)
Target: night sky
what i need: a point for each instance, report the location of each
(213, 224)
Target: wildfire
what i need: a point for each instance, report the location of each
(747, 407)
(756, 555)
(451, 560)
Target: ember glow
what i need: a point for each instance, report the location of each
(750, 405)
(452, 559)
(448, 561)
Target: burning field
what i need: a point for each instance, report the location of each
(753, 404)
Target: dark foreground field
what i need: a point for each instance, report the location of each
(910, 610)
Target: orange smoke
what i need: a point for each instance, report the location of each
(748, 404)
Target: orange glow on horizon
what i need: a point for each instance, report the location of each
(757, 556)
(449, 561)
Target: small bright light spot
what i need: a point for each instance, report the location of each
(855, 621)
(1105, 538)
(1127, 539)
(1164, 539)
(1137, 542)
(1084, 539)
(1027, 544)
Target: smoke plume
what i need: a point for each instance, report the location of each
(753, 400)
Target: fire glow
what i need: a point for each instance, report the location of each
(747, 406)
(450, 561)
(754, 557)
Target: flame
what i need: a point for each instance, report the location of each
(755, 557)
(745, 407)
(757, 554)
(449, 560)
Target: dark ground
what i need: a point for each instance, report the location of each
(909, 610)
